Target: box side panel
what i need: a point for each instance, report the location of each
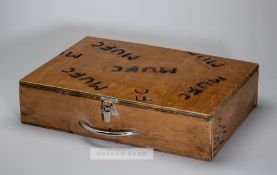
(178, 134)
(228, 119)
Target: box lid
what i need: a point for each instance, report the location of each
(143, 76)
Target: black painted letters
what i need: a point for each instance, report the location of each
(115, 50)
(200, 87)
(81, 76)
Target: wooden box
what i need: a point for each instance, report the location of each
(173, 101)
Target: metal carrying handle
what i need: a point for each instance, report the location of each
(86, 126)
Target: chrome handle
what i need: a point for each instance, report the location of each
(86, 126)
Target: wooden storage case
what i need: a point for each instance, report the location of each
(173, 101)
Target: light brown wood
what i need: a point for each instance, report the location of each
(233, 113)
(156, 129)
(180, 102)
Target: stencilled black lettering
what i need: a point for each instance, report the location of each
(118, 51)
(106, 48)
(77, 74)
(130, 56)
(115, 50)
(141, 95)
(71, 69)
(172, 70)
(200, 87)
(216, 80)
(132, 69)
(207, 60)
(204, 85)
(195, 90)
(162, 70)
(152, 69)
(71, 54)
(96, 87)
(87, 79)
(117, 69)
(98, 44)
(219, 132)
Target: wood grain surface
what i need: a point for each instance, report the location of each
(180, 102)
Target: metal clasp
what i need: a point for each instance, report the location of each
(108, 108)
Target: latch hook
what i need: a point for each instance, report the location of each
(108, 109)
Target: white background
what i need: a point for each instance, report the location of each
(33, 31)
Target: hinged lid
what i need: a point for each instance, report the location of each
(143, 76)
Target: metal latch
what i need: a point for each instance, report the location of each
(108, 108)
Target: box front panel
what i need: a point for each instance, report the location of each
(179, 134)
